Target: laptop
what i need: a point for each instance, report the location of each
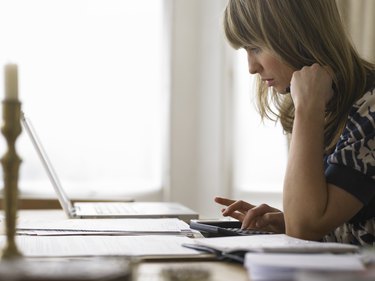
(104, 209)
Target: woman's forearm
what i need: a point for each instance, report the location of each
(305, 189)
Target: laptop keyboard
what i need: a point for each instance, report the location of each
(114, 208)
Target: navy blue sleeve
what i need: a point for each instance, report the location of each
(352, 165)
(352, 181)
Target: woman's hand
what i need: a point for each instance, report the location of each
(261, 217)
(311, 87)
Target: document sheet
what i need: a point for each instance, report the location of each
(148, 246)
(131, 226)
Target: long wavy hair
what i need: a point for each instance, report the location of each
(300, 33)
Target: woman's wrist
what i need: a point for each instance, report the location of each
(307, 114)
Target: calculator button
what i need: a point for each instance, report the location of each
(250, 231)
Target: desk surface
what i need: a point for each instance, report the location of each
(219, 271)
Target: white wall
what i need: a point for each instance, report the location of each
(199, 167)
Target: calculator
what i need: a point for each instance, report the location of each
(219, 228)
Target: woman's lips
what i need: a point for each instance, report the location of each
(270, 82)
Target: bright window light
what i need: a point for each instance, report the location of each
(90, 80)
(260, 149)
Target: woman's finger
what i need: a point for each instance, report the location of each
(224, 201)
(273, 222)
(253, 214)
(236, 215)
(239, 205)
(233, 205)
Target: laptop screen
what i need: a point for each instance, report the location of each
(62, 196)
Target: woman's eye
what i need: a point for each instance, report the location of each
(254, 50)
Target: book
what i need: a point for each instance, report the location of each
(234, 248)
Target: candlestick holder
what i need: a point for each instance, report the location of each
(11, 129)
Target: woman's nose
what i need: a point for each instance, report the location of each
(254, 65)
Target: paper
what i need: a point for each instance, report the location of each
(266, 266)
(277, 243)
(124, 226)
(162, 246)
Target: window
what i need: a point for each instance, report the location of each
(90, 79)
(260, 149)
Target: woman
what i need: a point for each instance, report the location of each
(324, 96)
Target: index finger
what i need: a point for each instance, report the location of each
(224, 201)
(237, 204)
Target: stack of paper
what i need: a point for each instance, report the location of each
(341, 275)
(144, 238)
(280, 257)
(166, 226)
(148, 246)
(268, 266)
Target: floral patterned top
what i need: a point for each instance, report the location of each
(352, 167)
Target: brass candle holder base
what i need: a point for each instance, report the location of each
(11, 130)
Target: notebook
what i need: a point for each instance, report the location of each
(104, 209)
(273, 243)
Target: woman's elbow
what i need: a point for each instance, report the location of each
(305, 231)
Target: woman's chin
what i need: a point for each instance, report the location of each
(282, 91)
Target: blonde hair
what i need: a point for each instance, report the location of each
(301, 32)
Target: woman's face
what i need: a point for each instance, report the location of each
(271, 70)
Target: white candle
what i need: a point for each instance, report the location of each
(11, 81)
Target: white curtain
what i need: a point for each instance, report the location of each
(359, 17)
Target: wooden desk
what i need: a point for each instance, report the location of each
(219, 271)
